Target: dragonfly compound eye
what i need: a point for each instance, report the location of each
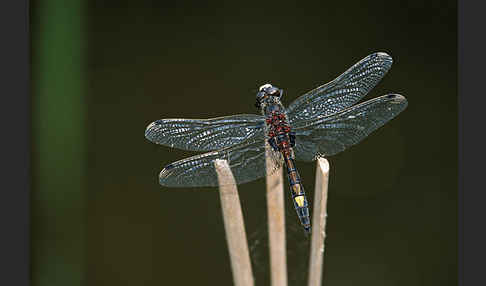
(265, 87)
(273, 91)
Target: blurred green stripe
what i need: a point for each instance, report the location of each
(58, 143)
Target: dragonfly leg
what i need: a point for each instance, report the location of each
(292, 139)
(273, 143)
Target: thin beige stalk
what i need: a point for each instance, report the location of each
(319, 223)
(234, 226)
(276, 228)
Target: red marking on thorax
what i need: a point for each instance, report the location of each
(278, 126)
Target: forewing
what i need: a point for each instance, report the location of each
(330, 135)
(343, 92)
(205, 134)
(247, 162)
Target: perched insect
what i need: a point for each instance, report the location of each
(320, 123)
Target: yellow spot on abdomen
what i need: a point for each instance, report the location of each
(297, 190)
(299, 200)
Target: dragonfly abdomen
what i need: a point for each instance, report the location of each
(298, 194)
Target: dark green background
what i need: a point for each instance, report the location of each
(103, 70)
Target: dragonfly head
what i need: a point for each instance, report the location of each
(267, 91)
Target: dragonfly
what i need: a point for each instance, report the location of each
(320, 123)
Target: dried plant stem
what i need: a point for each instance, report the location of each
(319, 223)
(234, 225)
(276, 228)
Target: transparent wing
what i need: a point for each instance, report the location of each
(330, 135)
(247, 161)
(343, 92)
(205, 134)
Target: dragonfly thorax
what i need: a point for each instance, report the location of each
(271, 106)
